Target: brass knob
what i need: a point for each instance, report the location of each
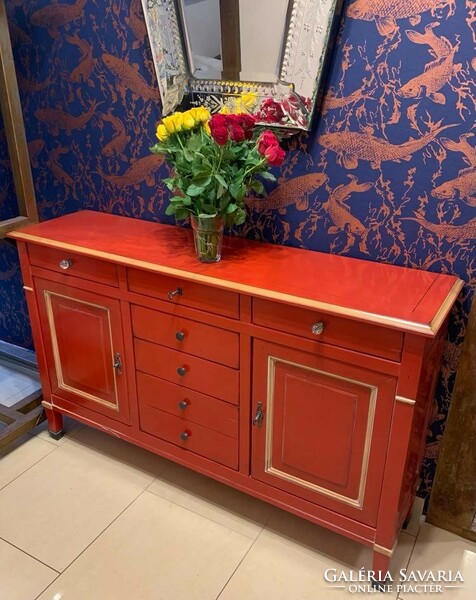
(182, 371)
(185, 435)
(66, 264)
(318, 328)
(180, 335)
(177, 292)
(183, 404)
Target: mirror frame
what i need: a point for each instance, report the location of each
(15, 134)
(304, 33)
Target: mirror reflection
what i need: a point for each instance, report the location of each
(236, 40)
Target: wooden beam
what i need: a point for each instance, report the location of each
(230, 39)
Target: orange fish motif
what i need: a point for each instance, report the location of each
(462, 146)
(57, 170)
(86, 63)
(136, 22)
(26, 85)
(331, 102)
(294, 191)
(17, 35)
(57, 119)
(385, 13)
(457, 233)
(120, 140)
(56, 15)
(130, 77)
(34, 148)
(339, 212)
(463, 186)
(436, 75)
(440, 46)
(352, 146)
(142, 170)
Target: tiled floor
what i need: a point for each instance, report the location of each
(93, 518)
(15, 385)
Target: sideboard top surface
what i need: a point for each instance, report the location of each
(397, 297)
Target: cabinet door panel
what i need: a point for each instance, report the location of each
(324, 431)
(83, 337)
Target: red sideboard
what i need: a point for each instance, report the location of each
(302, 378)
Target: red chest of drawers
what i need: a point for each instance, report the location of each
(301, 378)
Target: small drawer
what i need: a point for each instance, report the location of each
(190, 436)
(187, 405)
(69, 263)
(184, 293)
(338, 331)
(188, 371)
(205, 341)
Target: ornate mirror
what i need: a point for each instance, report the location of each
(266, 57)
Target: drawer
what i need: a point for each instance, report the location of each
(194, 295)
(338, 331)
(197, 374)
(190, 436)
(192, 337)
(78, 266)
(188, 405)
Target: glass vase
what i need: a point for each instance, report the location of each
(208, 237)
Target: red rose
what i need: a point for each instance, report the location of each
(271, 111)
(220, 135)
(237, 133)
(247, 122)
(275, 155)
(217, 121)
(266, 139)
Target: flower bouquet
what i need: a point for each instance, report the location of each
(216, 161)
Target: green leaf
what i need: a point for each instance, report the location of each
(201, 180)
(195, 190)
(231, 208)
(181, 214)
(194, 143)
(221, 180)
(177, 199)
(237, 189)
(240, 216)
(170, 210)
(257, 186)
(268, 176)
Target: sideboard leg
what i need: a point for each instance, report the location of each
(55, 423)
(380, 567)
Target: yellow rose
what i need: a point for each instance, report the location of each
(206, 128)
(203, 114)
(174, 123)
(162, 132)
(225, 110)
(188, 120)
(249, 100)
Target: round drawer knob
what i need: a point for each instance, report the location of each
(185, 435)
(183, 404)
(182, 371)
(318, 328)
(180, 335)
(66, 264)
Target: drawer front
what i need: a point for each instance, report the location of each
(371, 339)
(75, 264)
(194, 295)
(205, 341)
(187, 405)
(190, 436)
(197, 374)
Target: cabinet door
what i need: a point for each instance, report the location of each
(84, 348)
(324, 428)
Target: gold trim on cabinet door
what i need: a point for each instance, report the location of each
(56, 354)
(356, 502)
(405, 400)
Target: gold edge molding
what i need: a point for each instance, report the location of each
(56, 354)
(27, 288)
(405, 400)
(446, 306)
(353, 313)
(358, 502)
(385, 551)
(46, 404)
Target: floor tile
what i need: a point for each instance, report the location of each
(437, 549)
(216, 501)
(290, 557)
(21, 577)
(15, 385)
(60, 505)
(70, 428)
(20, 455)
(417, 518)
(155, 550)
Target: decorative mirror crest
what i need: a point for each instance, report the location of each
(265, 57)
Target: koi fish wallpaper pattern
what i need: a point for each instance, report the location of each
(387, 174)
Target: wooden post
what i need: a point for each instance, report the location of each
(230, 39)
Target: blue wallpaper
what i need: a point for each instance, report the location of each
(386, 174)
